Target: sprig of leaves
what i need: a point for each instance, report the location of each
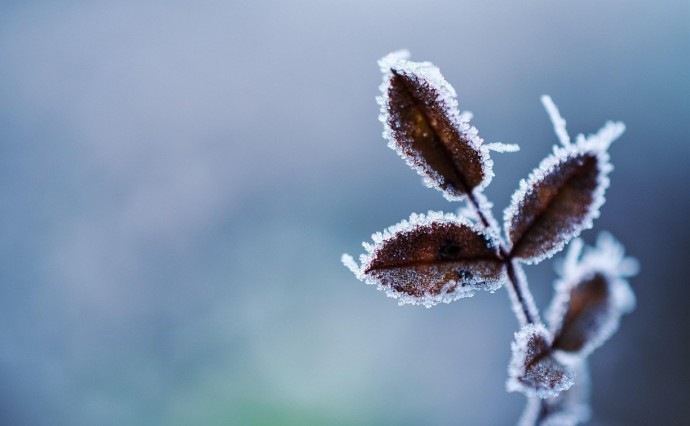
(591, 295)
(439, 257)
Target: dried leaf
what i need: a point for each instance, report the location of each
(587, 312)
(533, 370)
(431, 259)
(569, 408)
(591, 296)
(422, 123)
(561, 197)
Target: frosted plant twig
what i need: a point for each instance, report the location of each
(502, 147)
(556, 119)
(518, 290)
(439, 258)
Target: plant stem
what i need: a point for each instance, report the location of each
(518, 290)
(521, 296)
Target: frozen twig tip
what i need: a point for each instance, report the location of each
(556, 119)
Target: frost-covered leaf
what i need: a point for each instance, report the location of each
(533, 370)
(591, 296)
(430, 259)
(569, 408)
(422, 123)
(562, 196)
(555, 204)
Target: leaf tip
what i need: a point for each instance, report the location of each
(609, 133)
(391, 60)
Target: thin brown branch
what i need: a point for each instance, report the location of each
(518, 289)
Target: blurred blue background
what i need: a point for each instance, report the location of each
(179, 179)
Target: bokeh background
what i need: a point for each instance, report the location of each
(179, 179)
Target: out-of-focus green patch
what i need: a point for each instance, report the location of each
(261, 413)
(265, 415)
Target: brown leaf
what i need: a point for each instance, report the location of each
(557, 201)
(422, 123)
(569, 408)
(533, 370)
(587, 312)
(591, 296)
(431, 259)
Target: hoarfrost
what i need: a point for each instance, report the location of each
(503, 147)
(556, 119)
(466, 116)
(533, 370)
(591, 295)
(430, 259)
(468, 211)
(526, 302)
(561, 197)
(422, 123)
